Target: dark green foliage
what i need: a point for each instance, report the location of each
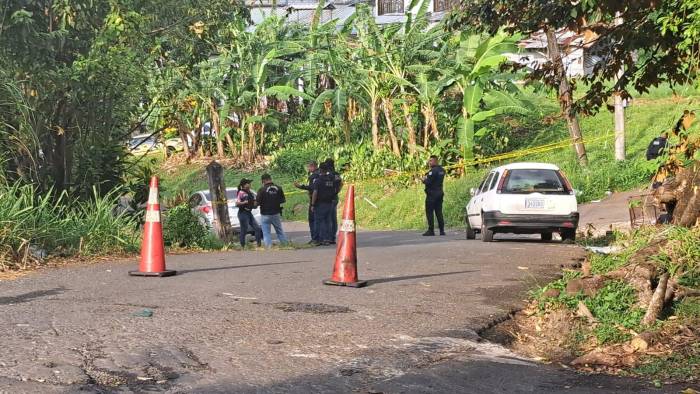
(182, 228)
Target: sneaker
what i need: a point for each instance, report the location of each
(442, 233)
(429, 233)
(331, 242)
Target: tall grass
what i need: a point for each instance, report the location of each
(34, 225)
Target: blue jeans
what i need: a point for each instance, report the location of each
(275, 221)
(322, 214)
(247, 222)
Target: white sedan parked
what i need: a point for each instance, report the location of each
(523, 198)
(200, 202)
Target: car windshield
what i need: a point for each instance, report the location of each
(230, 194)
(535, 181)
(142, 141)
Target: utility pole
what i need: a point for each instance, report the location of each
(619, 124)
(619, 111)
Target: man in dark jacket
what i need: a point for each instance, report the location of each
(270, 199)
(312, 168)
(322, 204)
(434, 196)
(657, 146)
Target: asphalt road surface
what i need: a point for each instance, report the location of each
(262, 322)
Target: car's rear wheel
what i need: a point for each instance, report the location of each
(546, 236)
(486, 234)
(568, 235)
(471, 233)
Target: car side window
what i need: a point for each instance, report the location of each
(487, 182)
(494, 180)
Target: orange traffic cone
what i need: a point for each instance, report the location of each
(152, 249)
(345, 268)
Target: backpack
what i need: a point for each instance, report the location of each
(656, 148)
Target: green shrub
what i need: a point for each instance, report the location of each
(614, 307)
(34, 225)
(182, 228)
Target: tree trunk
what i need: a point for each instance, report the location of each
(657, 302)
(426, 127)
(390, 127)
(566, 100)
(409, 127)
(183, 137)
(217, 190)
(231, 144)
(216, 125)
(375, 124)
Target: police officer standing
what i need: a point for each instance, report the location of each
(270, 199)
(322, 204)
(312, 168)
(338, 185)
(433, 196)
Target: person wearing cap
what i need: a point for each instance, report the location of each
(245, 201)
(312, 168)
(270, 199)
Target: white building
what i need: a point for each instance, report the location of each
(576, 51)
(385, 11)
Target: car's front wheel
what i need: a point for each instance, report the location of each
(471, 233)
(486, 234)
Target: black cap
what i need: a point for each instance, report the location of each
(244, 181)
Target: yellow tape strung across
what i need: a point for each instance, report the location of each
(503, 156)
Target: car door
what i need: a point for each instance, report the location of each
(474, 207)
(490, 202)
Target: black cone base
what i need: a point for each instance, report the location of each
(359, 283)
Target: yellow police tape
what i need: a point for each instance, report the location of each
(503, 156)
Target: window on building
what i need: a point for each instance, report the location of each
(445, 5)
(389, 7)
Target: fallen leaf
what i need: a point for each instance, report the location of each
(523, 268)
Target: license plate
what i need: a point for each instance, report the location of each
(534, 203)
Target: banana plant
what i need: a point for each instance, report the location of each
(486, 92)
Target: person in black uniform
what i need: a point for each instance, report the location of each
(433, 196)
(657, 146)
(322, 204)
(338, 184)
(312, 168)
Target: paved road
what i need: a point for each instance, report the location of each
(262, 322)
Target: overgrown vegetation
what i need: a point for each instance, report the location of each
(34, 225)
(183, 229)
(605, 307)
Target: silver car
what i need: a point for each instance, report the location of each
(200, 203)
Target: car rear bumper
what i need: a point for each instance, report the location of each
(529, 223)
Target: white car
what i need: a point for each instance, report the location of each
(200, 202)
(523, 198)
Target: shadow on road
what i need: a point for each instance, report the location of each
(231, 267)
(371, 282)
(26, 297)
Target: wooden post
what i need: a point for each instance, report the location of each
(219, 203)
